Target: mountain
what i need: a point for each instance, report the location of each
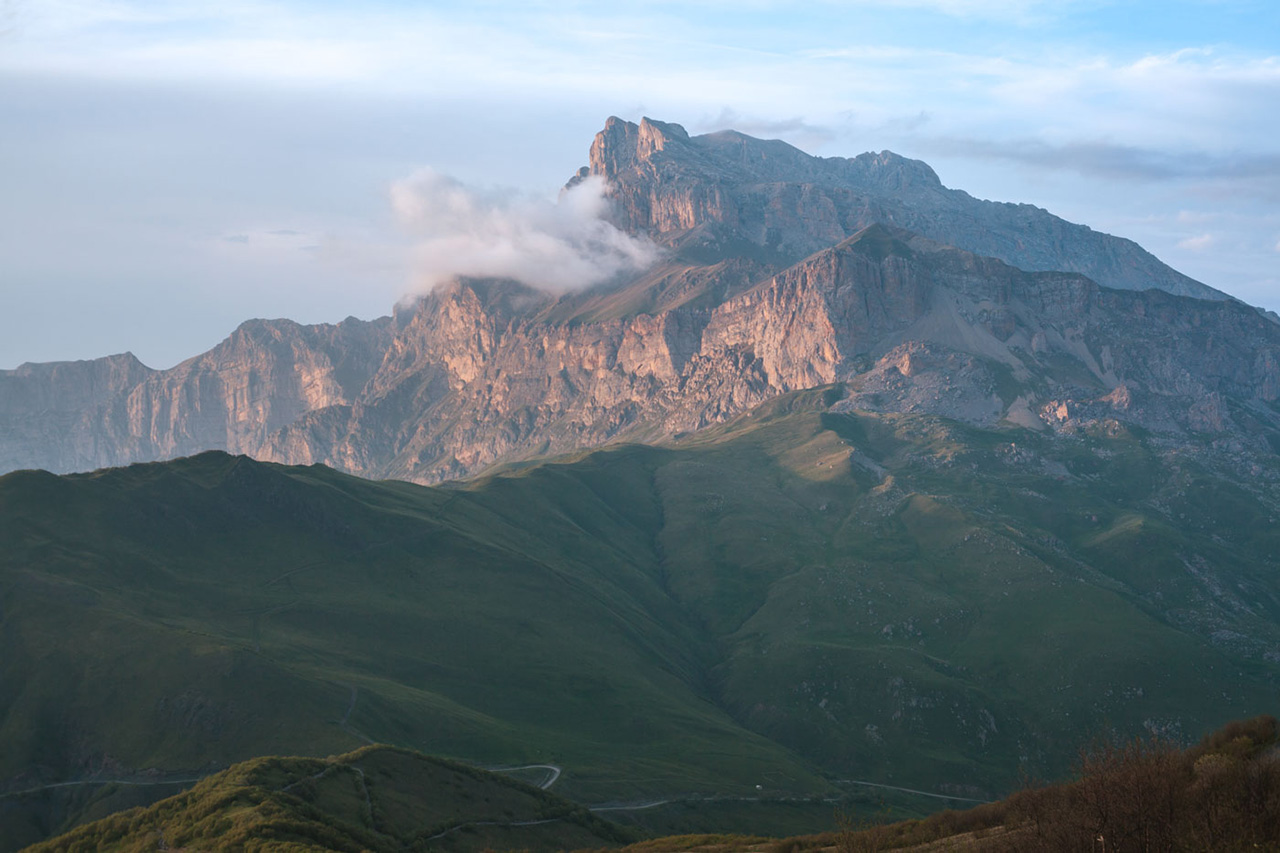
(75, 416)
(486, 373)
(728, 193)
(809, 593)
(53, 412)
(782, 271)
(375, 799)
(839, 506)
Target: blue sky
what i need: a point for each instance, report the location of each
(168, 169)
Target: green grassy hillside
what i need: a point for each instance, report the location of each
(374, 799)
(800, 600)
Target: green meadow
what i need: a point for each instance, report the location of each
(777, 607)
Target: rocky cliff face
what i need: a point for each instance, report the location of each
(725, 188)
(772, 284)
(477, 374)
(113, 411)
(49, 413)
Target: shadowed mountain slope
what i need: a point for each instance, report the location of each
(807, 594)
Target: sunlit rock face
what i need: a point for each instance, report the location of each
(780, 272)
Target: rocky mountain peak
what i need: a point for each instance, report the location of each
(895, 171)
(727, 193)
(735, 156)
(623, 144)
(656, 135)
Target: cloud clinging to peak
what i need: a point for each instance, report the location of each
(463, 231)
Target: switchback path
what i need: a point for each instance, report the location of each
(651, 804)
(351, 706)
(909, 791)
(635, 807)
(551, 780)
(503, 824)
(695, 798)
(40, 788)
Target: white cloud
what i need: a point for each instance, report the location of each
(462, 231)
(301, 113)
(681, 60)
(1021, 12)
(1198, 243)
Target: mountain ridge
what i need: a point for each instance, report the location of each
(479, 372)
(775, 194)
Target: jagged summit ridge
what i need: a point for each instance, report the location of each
(726, 187)
(622, 144)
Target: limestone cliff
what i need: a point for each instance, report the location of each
(784, 271)
(478, 374)
(112, 411)
(50, 413)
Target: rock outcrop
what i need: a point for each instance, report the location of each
(83, 415)
(50, 414)
(476, 373)
(784, 272)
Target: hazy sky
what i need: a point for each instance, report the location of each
(169, 169)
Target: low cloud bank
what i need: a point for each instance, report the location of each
(462, 231)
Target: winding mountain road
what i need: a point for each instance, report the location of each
(503, 824)
(53, 785)
(632, 807)
(550, 780)
(650, 804)
(908, 790)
